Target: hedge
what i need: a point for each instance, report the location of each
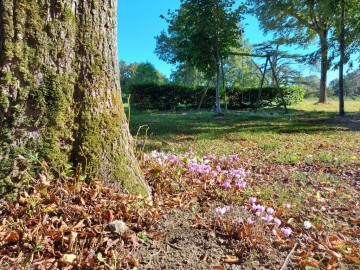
(171, 96)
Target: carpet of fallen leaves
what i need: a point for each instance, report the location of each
(63, 223)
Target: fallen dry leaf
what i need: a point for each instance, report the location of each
(108, 216)
(353, 259)
(73, 236)
(133, 261)
(230, 259)
(334, 254)
(68, 258)
(309, 262)
(11, 237)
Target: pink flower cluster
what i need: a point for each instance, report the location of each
(220, 211)
(260, 213)
(267, 215)
(225, 173)
(207, 166)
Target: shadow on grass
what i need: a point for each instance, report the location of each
(169, 124)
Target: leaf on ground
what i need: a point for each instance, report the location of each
(308, 262)
(11, 237)
(108, 216)
(68, 258)
(335, 255)
(230, 259)
(134, 239)
(351, 232)
(353, 259)
(133, 261)
(80, 224)
(218, 267)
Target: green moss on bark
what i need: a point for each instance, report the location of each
(60, 95)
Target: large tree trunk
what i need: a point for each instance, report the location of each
(324, 47)
(60, 93)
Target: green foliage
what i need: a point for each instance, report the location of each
(299, 22)
(351, 84)
(201, 33)
(138, 73)
(187, 75)
(351, 25)
(170, 96)
(160, 97)
(198, 31)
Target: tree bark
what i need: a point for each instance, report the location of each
(224, 85)
(324, 47)
(341, 62)
(60, 93)
(217, 60)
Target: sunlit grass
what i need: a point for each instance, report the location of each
(310, 133)
(331, 106)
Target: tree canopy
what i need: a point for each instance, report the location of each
(138, 73)
(201, 33)
(298, 22)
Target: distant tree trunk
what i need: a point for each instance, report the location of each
(60, 93)
(341, 62)
(224, 85)
(217, 60)
(203, 95)
(324, 47)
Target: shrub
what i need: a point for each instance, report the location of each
(171, 96)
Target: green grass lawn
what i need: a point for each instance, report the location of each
(309, 133)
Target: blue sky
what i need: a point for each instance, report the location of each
(139, 22)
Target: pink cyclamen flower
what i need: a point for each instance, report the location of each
(240, 185)
(274, 232)
(287, 231)
(287, 205)
(252, 200)
(277, 222)
(258, 214)
(268, 218)
(220, 211)
(270, 211)
(238, 220)
(226, 185)
(249, 221)
(307, 225)
(172, 158)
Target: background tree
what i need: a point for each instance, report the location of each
(351, 84)
(139, 73)
(241, 72)
(346, 28)
(201, 33)
(60, 92)
(187, 75)
(125, 77)
(311, 85)
(298, 22)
